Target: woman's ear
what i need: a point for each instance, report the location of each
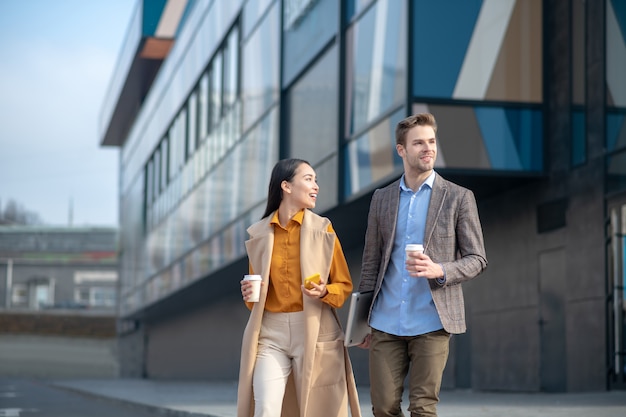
(285, 186)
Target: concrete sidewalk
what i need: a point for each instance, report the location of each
(218, 399)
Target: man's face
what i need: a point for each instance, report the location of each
(420, 150)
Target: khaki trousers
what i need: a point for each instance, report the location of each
(280, 352)
(422, 357)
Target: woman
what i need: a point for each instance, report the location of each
(293, 362)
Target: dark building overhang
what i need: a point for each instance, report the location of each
(149, 39)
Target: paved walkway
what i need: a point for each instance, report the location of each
(218, 399)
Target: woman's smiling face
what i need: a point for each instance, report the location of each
(302, 190)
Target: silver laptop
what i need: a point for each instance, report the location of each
(356, 325)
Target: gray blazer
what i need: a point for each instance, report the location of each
(453, 237)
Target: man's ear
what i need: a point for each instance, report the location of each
(400, 149)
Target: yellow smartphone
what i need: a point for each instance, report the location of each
(313, 278)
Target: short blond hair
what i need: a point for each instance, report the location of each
(420, 119)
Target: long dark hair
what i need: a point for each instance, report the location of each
(284, 170)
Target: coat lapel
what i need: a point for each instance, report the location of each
(391, 216)
(437, 197)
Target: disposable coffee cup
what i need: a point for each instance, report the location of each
(255, 280)
(414, 247)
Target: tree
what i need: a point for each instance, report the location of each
(15, 213)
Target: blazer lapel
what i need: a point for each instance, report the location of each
(392, 197)
(437, 197)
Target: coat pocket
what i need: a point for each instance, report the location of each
(329, 364)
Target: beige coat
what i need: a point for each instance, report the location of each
(328, 384)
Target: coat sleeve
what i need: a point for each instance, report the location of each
(340, 286)
(373, 247)
(471, 257)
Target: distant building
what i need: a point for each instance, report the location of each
(530, 97)
(43, 268)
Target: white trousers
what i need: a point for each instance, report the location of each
(280, 352)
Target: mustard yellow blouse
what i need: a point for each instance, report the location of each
(284, 294)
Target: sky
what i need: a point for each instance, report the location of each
(56, 62)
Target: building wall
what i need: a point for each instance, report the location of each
(537, 317)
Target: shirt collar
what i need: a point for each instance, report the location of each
(429, 181)
(296, 217)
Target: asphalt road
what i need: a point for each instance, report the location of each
(29, 398)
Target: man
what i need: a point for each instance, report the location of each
(418, 301)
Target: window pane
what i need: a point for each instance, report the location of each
(156, 174)
(578, 52)
(192, 127)
(376, 64)
(19, 296)
(173, 169)
(216, 89)
(372, 156)
(103, 297)
(327, 175)
(492, 138)
(493, 50)
(354, 7)
(616, 172)
(231, 68)
(313, 111)
(616, 130)
(615, 54)
(149, 182)
(253, 10)
(203, 107)
(181, 123)
(164, 162)
(258, 154)
(260, 68)
(309, 25)
(579, 138)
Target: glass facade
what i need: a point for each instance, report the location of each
(334, 78)
(616, 95)
(247, 82)
(196, 163)
(578, 114)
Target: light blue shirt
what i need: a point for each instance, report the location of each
(404, 306)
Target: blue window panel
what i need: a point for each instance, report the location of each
(152, 11)
(619, 6)
(526, 126)
(498, 139)
(579, 143)
(354, 7)
(615, 125)
(513, 138)
(441, 37)
(616, 173)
